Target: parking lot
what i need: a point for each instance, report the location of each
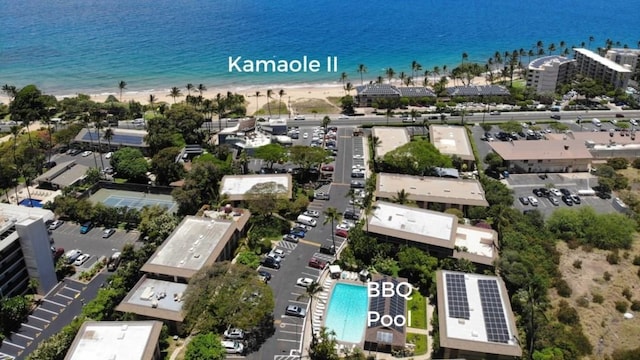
(68, 237)
(523, 185)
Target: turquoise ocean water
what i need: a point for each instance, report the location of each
(70, 46)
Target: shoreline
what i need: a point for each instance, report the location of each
(293, 93)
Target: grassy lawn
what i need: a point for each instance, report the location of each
(309, 106)
(420, 341)
(173, 345)
(120, 180)
(418, 307)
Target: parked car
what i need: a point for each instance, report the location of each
(49, 164)
(350, 215)
(565, 192)
(296, 233)
(524, 200)
(619, 115)
(81, 259)
(554, 201)
(234, 334)
(293, 310)
(355, 184)
(56, 224)
(270, 263)
(328, 249)
(567, 200)
(319, 195)
(342, 233)
(72, 255)
(555, 192)
(265, 275)
(277, 252)
(74, 152)
(545, 192)
(232, 347)
(533, 201)
(275, 257)
(327, 168)
(634, 122)
(57, 252)
(87, 153)
(108, 155)
(108, 232)
(317, 263)
(312, 213)
(291, 238)
(576, 199)
(537, 192)
(114, 261)
(304, 282)
(86, 227)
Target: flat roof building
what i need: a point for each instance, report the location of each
(532, 156)
(434, 231)
(452, 140)
(25, 251)
(243, 187)
(197, 242)
(624, 56)
(156, 299)
(546, 73)
(368, 94)
(600, 68)
(62, 175)
(426, 190)
(475, 317)
(478, 90)
(115, 340)
(390, 138)
(120, 138)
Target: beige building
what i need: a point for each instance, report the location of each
(390, 138)
(624, 57)
(437, 232)
(475, 317)
(533, 156)
(429, 191)
(453, 140)
(546, 73)
(605, 145)
(244, 187)
(114, 340)
(600, 68)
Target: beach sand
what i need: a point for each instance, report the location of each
(293, 94)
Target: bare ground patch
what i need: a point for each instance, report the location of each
(603, 325)
(310, 106)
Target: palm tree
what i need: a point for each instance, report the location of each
(257, 95)
(415, 67)
(435, 72)
(331, 215)
(402, 76)
(311, 292)
(408, 81)
(390, 73)
(343, 78)
(281, 93)
(221, 104)
(325, 123)
(10, 90)
(152, 100)
(363, 69)
(189, 88)
(122, 85)
(402, 197)
(202, 89)
(175, 93)
(86, 119)
(99, 125)
(388, 114)
(269, 96)
(108, 135)
(591, 39)
(552, 48)
(465, 56)
(243, 159)
(348, 88)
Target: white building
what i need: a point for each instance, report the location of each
(624, 57)
(25, 251)
(546, 73)
(600, 68)
(243, 187)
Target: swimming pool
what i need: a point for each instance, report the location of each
(31, 203)
(347, 308)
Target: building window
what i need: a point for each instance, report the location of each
(539, 161)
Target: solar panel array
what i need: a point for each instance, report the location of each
(132, 140)
(495, 322)
(397, 305)
(457, 301)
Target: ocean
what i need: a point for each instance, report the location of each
(89, 46)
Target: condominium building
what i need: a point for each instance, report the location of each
(624, 57)
(600, 68)
(546, 73)
(24, 250)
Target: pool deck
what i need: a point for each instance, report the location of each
(42, 195)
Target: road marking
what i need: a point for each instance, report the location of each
(41, 319)
(72, 289)
(299, 302)
(295, 294)
(47, 310)
(290, 332)
(5, 342)
(309, 243)
(287, 340)
(53, 302)
(311, 275)
(23, 336)
(31, 327)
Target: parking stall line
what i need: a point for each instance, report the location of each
(65, 296)
(41, 319)
(53, 302)
(299, 302)
(46, 310)
(290, 332)
(31, 327)
(310, 275)
(288, 340)
(23, 336)
(5, 342)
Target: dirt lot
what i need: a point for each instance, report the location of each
(603, 324)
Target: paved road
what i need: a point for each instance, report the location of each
(288, 336)
(58, 309)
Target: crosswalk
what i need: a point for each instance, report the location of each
(287, 245)
(6, 357)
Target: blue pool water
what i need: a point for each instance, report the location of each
(31, 203)
(347, 314)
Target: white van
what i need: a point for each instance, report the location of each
(232, 347)
(596, 122)
(306, 220)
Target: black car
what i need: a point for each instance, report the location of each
(537, 192)
(265, 274)
(565, 192)
(567, 200)
(270, 263)
(545, 192)
(603, 195)
(350, 215)
(357, 184)
(49, 164)
(555, 117)
(74, 152)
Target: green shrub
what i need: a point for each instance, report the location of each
(583, 301)
(636, 259)
(577, 264)
(627, 293)
(563, 288)
(635, 305)
(618, 163)
(567, 314)
(636, 163)
(622, 306)
(598, 298)
(613, 258)
(606, 276)
(249, 258)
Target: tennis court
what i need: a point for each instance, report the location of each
(132, 199)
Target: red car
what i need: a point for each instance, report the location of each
(327, 168)
(317, 263)
(342, 233)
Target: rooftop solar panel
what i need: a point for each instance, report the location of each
(457, 301)
(495, 321)
(123, 139)
(391, 306)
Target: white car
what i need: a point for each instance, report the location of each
(634, 122)
(555, 192)
(81, 259)
(343, 226)
(87, 153)
(304, 282)
(234, 334)
(533, 201)
(108, 155)
(358, 156)
(56, 224)
(312, 213)
(277, 252)
(305, 135)
(343, 117)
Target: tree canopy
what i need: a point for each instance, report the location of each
(414, 158)
(271, 153)
(307, 157)
(28, 106)
(205, 347)
(130, 164)
(165, 166)
(187, 121)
